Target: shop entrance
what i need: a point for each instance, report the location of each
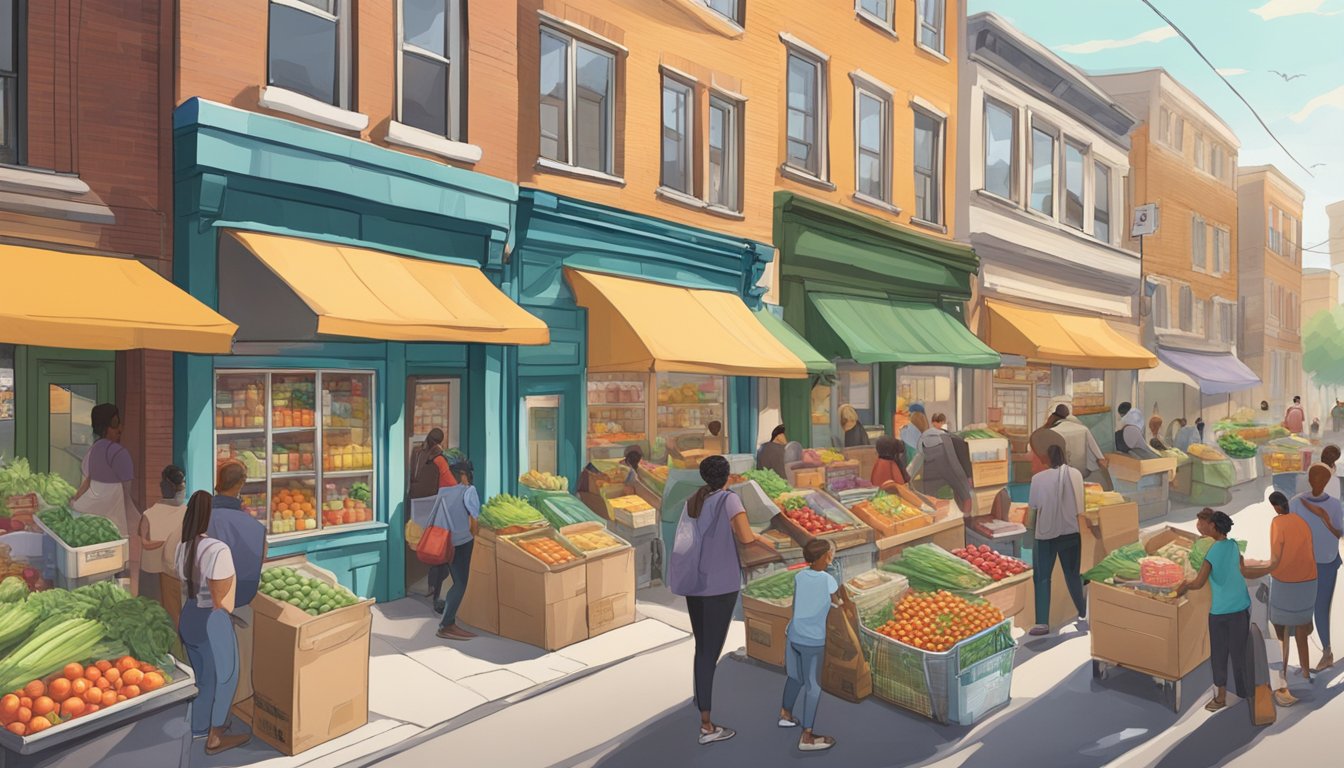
(46, 399)
(432, 401)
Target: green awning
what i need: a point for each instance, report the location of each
(791, 339)
(874, 330)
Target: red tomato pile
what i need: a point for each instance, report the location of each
(812, 522)
(995, 565)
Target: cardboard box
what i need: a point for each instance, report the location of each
(766, 630)
(310, 673)
(844, 670)
(610, 578)
(1129, 469)
(989, 473)
(866, 455)
(480, 606)
(1107, 529)
(1062, 609)
(1160, 638)
(548, 609)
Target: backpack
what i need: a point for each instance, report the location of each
(424, 476)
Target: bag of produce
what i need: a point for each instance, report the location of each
(1160, 572)
(1122, 563)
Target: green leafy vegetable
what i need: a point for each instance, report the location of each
(771, 483)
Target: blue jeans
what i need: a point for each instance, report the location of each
(460, 569)
(1326, 574)
(212, 650)
(803, 664)
(1069, 549)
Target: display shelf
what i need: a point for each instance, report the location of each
(247, 431)
(348, 473)
(291, 430)
(301, 473)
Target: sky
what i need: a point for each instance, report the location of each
(1247, 40)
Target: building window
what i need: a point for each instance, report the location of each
(1273, 300)
(11, 83)
(1222, 250)
(873, 130)
(1275, 239)
(931, 24)
(878, 10)
(1001, 150)
(1074, 165)
(1199, 244)
(729, 9)
(1218, 161)
(928, 168)
(1226, 321)
(806, 127)
(1199, 152)
(678, 158)
(1161, 305)
(1171, 129)
(432, 67)
(306, 50)
(1101, 209)
(725, 153)
(1042, 171)
(577, 102)
(1187, 309)
(1200, 313)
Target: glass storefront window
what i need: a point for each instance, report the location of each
(69, 414)
(933, 386)
(856, 385)
(7, 401)
(307, 440)
(1087, 388)
(687, 403)
(541, 442)
(618, 413)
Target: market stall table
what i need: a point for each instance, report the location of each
(948, 531)
(1146, 482)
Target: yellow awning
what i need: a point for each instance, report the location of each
(375, 295)
(1074, 341)
(634, 325)
(60, 299)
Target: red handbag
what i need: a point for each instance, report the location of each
(436, 545)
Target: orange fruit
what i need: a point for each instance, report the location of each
(43, 705)
(113, 675)
(17, 728)
(102, 683)
(93, 696)
(59, 689)
(80, 686)
(9, 706)
(38, 724)
(109, 698)
(92, 708)
(131, 691)
(72, 707)
(103, 665)
(73, 671)
(127, 663)
(132, 676)
(26, 701)
(35, 689)
(146, 667)
(25, 714)
(120, 698)
(151, 682)
(92, 673)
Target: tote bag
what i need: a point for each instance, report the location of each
(436, 543)
(685, 570)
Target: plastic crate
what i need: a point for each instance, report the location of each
(960, 685)
(74, 563)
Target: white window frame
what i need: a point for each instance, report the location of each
(1161, 305)
(1063, 194)
(688, 132)
(1035, 124)
(921, 25)
(732, 152)
(1274, 311)
(1199, 242)
(1201, 161)
(1186, 299)
(1200, 312)
(883, 98)
(1014, 155)
(888, 23)
(820, 133)
(1222, 257)
(1171, 129)
(344, 97)
(939, 172)
(735, 16)
(455, 60)
(573, 43)
(1100, 169)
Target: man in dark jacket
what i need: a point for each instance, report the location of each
(944, 460)
(246, 539)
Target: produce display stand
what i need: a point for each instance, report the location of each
(853, 534)
(865, 455)
(73, 567)
(948, 532)
(150, 731)
(610, 579)
(1146, 482)
(1164, 639)
(1105, 529)
(1212, 477)
(1011, 596)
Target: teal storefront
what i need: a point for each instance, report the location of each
(270, 218)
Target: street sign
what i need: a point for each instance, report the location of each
(1145, 221)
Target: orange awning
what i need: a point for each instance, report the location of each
(1073, 341)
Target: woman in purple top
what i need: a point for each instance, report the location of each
(108, 477)
(705, 569)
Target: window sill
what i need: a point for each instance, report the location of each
(564, 169)
(878, 24)
(932, 52)
(803, 177)
(292, 103)
(1000, 199)
(939, 228)
(873, 202)
(46, 181)
(680, 198)
(726, 213)
(416, 138)
(709, 18)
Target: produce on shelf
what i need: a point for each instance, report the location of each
(796, 509)
(1174, 453)
(993, 564)
(1157, 571)
(930, 566)
(560, 511)
(13, 589)
(82, 531)
(592, 541)
(777, 587)
(17, 479)
(29, 575)
(1095, 498)
(17, 619)
(936, 621)
(544, 481)
(77, 691)
(1122, 563)
(50, 647)
(342, 458)
(240, 407)
(1236, 446)
(1280, 461)
(292, 403)
(254, 503)
(361, 492)
(658, 471)
(547, 550)
(772, 484)
(294, 509)
(890, 506)
(505, 511)
(292, 457)
(822, 456)
(981, 434)
(340, 511)
(142, 625)
(848, 483)
(1206, 452)
(312, 596)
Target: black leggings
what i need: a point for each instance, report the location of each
(1228, 636)
(710, 619)
(437, 575)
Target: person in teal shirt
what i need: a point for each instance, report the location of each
(1230, 608)
(813, 593)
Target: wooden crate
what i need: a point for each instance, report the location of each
(985, 474)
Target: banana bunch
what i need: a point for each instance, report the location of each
(544, 481)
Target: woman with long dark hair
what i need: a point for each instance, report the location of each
(891, 463)
(705, 569)
(108, 482)
(206, 628)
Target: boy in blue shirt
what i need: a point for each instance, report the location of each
(813, 590)
(1224, 571)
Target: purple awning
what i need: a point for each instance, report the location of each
(1218, 373)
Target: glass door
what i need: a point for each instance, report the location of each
(67, 393)
(433, 404)
(541, 419)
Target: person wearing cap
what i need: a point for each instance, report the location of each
(1230, 606)
(457, 508)
(1040, 441)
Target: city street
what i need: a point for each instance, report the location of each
(638, 713)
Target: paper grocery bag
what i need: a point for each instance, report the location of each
(1261, 703)
(844, 671)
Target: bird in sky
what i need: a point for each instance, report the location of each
(1314, 166)
(1286, 78)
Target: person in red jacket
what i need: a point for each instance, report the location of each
(890, 467)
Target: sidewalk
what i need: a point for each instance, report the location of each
(421, 686)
